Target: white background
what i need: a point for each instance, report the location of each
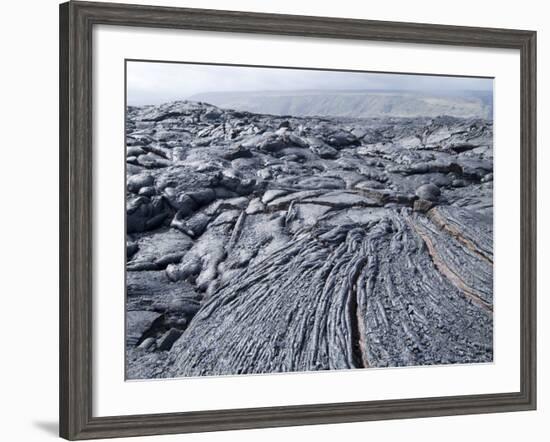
(28, 370)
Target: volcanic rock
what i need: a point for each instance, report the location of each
(429, 192)
(263, 243)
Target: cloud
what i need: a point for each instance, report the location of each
(155, 83)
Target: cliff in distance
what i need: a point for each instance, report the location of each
(360, 104)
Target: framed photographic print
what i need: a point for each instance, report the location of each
(272, 220)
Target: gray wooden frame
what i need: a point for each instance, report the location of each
(76, 22)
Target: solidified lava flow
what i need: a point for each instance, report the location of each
(262, 243)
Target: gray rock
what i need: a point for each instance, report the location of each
(148, 344)
(212, 115)
(459, 183)
(143, 213)
(183, 203)
(147, 191)
(134, 151)
(136, 182)
(131, 249)
(423, 206)
(168, 339)
(193, 226)
(324, 151)
(255, 206)
(271, 194)
(429, 192)
(342, 139)
(137, 323)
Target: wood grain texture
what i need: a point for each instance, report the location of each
(76, 21)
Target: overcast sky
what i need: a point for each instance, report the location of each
(155, 83)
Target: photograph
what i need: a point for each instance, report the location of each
(284, 221)
(296, 219)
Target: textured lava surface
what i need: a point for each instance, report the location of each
(261, 243)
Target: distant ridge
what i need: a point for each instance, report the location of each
(356, 104)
